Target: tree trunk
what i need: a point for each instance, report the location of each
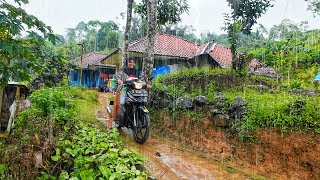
(126, 34)
(233, 38)
(148, 57)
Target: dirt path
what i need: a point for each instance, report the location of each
(167, 160)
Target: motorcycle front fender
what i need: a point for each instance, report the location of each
(144, 109)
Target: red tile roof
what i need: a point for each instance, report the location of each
(92, 58)
(168, 45)
(222, 55)
(201, 49)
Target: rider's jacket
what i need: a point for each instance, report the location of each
(124, 73)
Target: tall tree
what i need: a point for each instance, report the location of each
(158, 12)
(314, 6)
(149, 46)
(126, 33)
(139, 28)
(168, 11)
(19, 56)
(243, 16)
(96, 35)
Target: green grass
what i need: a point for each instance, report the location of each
(267, 110)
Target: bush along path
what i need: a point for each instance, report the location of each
(58, 137)
(91, 153)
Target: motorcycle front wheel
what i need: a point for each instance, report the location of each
(141, 130)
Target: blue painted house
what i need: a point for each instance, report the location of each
(93, 71)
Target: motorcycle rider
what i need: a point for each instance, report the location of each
(121, 76)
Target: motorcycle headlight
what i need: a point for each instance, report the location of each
(137, 85)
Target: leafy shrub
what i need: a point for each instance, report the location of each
(57, 103)
(283, 111)
(91, 153)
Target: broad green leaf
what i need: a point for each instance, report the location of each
(113, 176)
(105, 171)
(73, 152)
(114, 150)
(89, 150)
(104, 145)
(87, 174)
(138, 172)
(63, 175)
(74, 178)
(57, 151)
(124, 152)
(89, 159)
(56, 158)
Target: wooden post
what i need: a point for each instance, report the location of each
(81, 70)
(81, 59)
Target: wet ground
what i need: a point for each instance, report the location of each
(168, 160)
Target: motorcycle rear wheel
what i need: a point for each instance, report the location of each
(141, 131)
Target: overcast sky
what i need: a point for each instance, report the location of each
(204, 15)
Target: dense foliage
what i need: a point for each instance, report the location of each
(96, 35)
(91, 153)
(243, 16)
(59, 126)
(20, 56)
(314, 6)
(168, 12)
(282, 111)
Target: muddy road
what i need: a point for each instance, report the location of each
(169, 160)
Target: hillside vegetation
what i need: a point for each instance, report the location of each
(269, 102)
(58, 137)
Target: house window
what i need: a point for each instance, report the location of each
(75, 75)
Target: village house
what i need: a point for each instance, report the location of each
(172, 53)
(93, 71)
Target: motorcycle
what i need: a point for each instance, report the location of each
(135, 115)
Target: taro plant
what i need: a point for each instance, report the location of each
(91, 153)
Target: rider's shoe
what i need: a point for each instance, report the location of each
(117, 126)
